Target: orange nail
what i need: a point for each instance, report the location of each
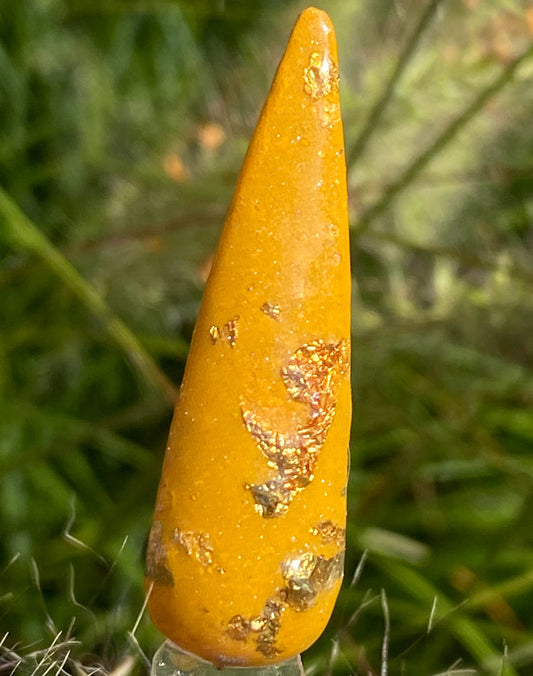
(245, 557)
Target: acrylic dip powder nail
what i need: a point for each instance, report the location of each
(245, 556)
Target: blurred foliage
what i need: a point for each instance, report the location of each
(123, 124)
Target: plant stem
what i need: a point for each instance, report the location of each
(23, 233)
(376, 113)
(443, 139)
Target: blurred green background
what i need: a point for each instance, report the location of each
(123, 124)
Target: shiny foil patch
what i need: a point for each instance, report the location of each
(156, 557)
(271, 310)
(307, 575)
(197, 545)
(304, 575)
(228, 332)
(330, 532)
(312, 376)
(264, 627)
(321, 77)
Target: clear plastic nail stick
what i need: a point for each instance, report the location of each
(170, 660)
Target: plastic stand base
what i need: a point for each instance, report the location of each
(170, 660)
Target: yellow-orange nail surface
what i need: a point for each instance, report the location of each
(245, 557)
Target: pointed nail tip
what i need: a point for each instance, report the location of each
(317, 20)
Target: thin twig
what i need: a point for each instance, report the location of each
(142, 610)
(367, 601)
(22, 232)
(443, 139)
(432, 614)
(386, 635)
(68, 537)
(377, 110)
(359, 569)
(334, 654)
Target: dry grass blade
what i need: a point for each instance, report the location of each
(446, 136)
(377, 110)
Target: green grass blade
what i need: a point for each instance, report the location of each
(464, 628)
(23, 233)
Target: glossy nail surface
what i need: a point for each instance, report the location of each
(245, 557)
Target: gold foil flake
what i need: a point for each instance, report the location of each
(214, 332)
(320, 77)
(229, 332)
(263, 627)
(329, 115)
(257, 624)
(269, 628)
(299, 593)
(312, 376)
(271, 498)
(330, 532)
(271, 310)
(298, 567)
(239, 628)
(307, 575)
(196, 545)
(156, 558)
(328, 571)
